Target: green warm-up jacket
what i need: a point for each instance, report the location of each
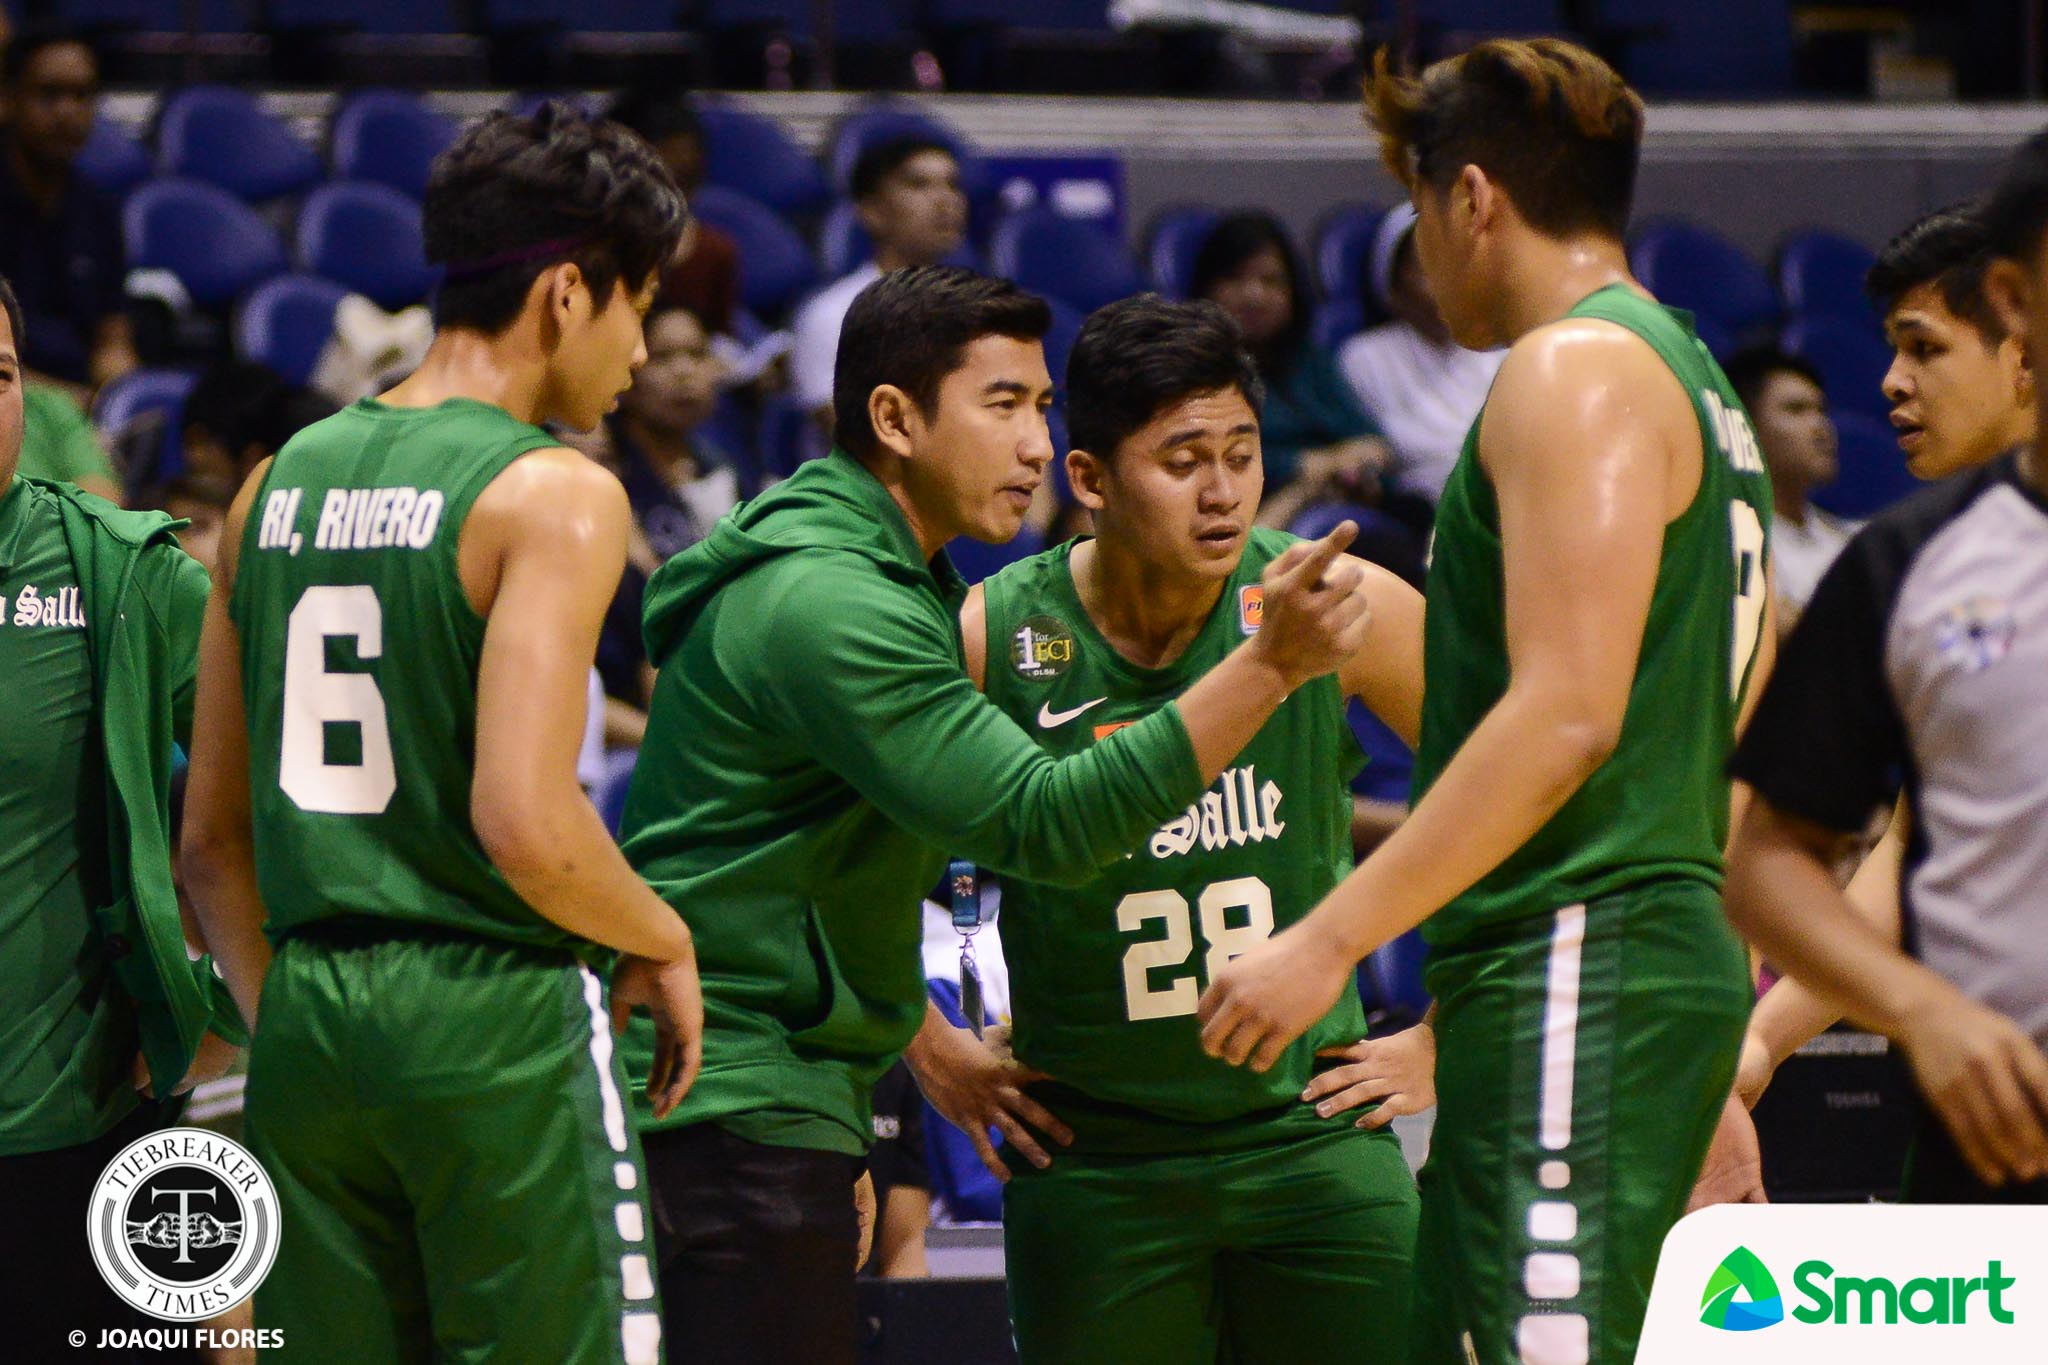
(814, 753)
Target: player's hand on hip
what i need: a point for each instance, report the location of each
(1315, 611)
(864, 1212)
(975, 1088)
(672, 996)
(1398, 1070)
(1733, 1172)
(1270, 996)
(1989, 1082)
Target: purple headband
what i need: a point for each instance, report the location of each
(557, 246)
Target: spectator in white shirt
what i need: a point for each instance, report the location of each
(1423, 388)
(907, 193)
(1789, 409)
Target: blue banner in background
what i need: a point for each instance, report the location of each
(1073, 184)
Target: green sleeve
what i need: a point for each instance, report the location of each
(175, 585)
(58, 440)
(866, 675)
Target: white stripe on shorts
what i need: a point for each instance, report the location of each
(1561, 1028)
(601, 1054)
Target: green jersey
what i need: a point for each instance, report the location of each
(1658, 807)
(359, 671)
(1104, 977)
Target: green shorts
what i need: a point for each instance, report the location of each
(457, 1178)
(1582, 1061)
(1283, 1255)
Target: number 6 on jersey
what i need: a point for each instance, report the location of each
(316, 697)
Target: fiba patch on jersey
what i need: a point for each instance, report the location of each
(1251, 608)
(183, 1224)
(1041, 648)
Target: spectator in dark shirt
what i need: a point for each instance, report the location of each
(706, 275)
(60, 239)
(902, 1175)
(1316, 438)
(677, 480)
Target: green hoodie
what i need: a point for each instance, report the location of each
(814, 753)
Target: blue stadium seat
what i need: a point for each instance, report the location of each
(1873, 472)
(1336, 322)
(871, 22)
(388, 137)
(213, 242)
(1071, 259)
(390, 17)
(367, 237)
(1059, 343)
(111, 161)
(776, 267)
(1820, 274)
(1730, 47)
(1170, 247)
(1693, 267)
(161, 392)
(1720, 341)
(155, 16)
(1343, 246)
(1075, 16)
(843, 243)
(592, 16)
(1851, 357)
(751, 153)
(222, 136)
(285, 322)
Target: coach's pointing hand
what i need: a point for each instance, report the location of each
(1269, 997)
(1315, 612)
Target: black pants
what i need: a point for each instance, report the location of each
(49, 1286)
(757, 1247)
(1938, 1173)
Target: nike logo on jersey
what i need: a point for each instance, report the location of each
(1049, 719)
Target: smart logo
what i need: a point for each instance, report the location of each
(1761, 1305)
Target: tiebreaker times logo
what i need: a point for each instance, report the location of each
(183, 1225)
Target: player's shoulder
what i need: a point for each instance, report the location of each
(557, 489)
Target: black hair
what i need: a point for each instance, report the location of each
(911, 328)
(1750, 368)
(1234, 240)
(242, 404)
(1139, 356)
(883, 159)
(34, 37)
(517, 195)
(657, 114)
(15, 323)
(2016, 212)
(1555, 125)
(1948, 249)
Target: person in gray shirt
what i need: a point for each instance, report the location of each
(1921, 665)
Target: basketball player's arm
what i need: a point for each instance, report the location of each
(553, 526)
(1386, 672)
(1578, 439)
(219, 849)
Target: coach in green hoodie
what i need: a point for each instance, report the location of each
(814, 752)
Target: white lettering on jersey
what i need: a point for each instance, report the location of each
(1734, 434)
(398, 518)
(1238, 810)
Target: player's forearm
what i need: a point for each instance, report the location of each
(1516, 770)
(1230, 705)
(560, 859)
(220, 880)
(1787, 1018)
(1781, 894)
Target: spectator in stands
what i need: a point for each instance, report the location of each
(902, 1174)
(1789, 409)
(60, 238)
(240, 414)
(60, 442)
(1961, 384)
(1422, 388)
(706, 275)
(1317, 441)
(201, 501)
(678, 481)
(907, 192)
